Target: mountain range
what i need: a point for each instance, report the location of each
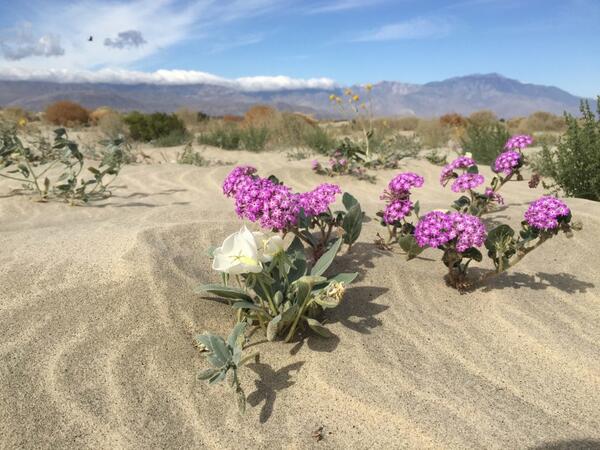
(505, 96)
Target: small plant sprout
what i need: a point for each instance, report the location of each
(460, 233)
(226, 358)
(307, 215)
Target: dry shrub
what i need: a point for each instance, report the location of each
(453, 120)
(188, 117)
(309, 119)
(544, 121)
(261, 116)
(482, 118)
(230, 118)
(432, 133)
(111, 125)
(65, 113)
(408, 123)
(99, 113)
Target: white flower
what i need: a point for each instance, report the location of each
(468, 154)
(238, 254)
(268, 248)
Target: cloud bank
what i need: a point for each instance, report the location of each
(165, 77)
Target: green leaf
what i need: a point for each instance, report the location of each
(302, 293)
(498, 234)
(280, 322)
(352, 224)
(298, 270)
(246, 305)
(473, 253)
(473, 169)
(219, 376)
(311, 279)
(236, 334)
(207, 374)
(219, 349)
(417, 208)
(223, 291)
(318, 328)
(325, 261)
(345, 278)
(409, 244)
(241, 399)
(349, 201)
(327, 302)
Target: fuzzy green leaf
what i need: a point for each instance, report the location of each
(223, 291)
(318, 328)
(325, 261)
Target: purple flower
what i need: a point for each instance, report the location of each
(494, 196)
(319, 199)
(316, 165)
(467, 181)
(403, 182)
(397, 210)
(462, 162)
(238, 175)
(434, 229)
(438, 228)
(470, 231)
(545, 213)
(518, 142)
(273, 205)
(507, 162)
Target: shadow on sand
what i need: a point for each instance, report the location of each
(269, 383)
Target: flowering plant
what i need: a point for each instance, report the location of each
(307, 215)
(361, 110)
(460, 234)
(346, 159)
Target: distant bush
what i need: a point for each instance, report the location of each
(574, 163)
(226, 136)
(173, 139)
(261, 116)
(319, 140)
(230, 118)
(111, 125)
(254, 139)
(65, 113)
(483, 117)
(432, 133)
(485, 140)
(150, 127)
(453, 120)
(544, 121)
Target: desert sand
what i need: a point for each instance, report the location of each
(98, 314)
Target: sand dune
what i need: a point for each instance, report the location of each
(97, 315)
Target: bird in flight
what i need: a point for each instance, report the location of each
(91, 38)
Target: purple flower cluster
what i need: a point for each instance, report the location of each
(274, 205)
(403, 182)
(494, 196)
(318, 200)
(470, 231)
(238, 175)
(315, 165)
(467, 181)
(518, 142)
(397, 210)
(438, 228)
(507, 162)
(462, 162)
(398, 196)
(545, 212)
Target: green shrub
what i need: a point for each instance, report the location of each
(390, 151)
(485, 140)
(227, 136)
(173, 139)
(150, 127)
(254, 139)
(574, 163)
(319, 140)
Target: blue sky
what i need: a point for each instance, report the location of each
(306, 43)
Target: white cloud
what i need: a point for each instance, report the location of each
(126, 39)
(165, 77)
(21, 43)
(411, 29)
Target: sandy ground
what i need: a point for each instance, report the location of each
(97, 316)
